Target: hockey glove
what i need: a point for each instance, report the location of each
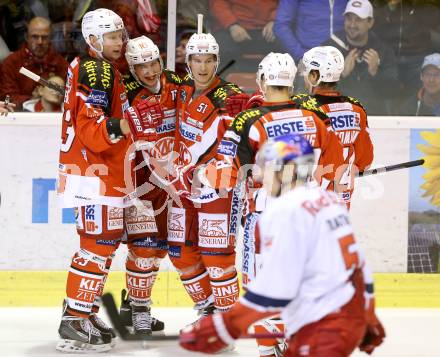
(209, 335)
(375, 333)
(256, 100)
(144, 118)
(236, 103)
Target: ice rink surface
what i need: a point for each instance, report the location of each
(33, 332)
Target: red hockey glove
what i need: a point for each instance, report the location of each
(256, 100)
(236, 103)
(209, 335)
(375, 333)
(149, 114)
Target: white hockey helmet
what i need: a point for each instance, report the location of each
(141, 50)
(328, 60)
(278, 69)
(200, 44)
(99, 22)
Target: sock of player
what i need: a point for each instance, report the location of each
(223, 278)
(84, 282)
(97, 302)
(141, 273)
(198, 287)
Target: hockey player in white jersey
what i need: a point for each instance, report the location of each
(313, 271)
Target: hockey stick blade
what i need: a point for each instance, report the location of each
(35, 77)
(380, 170)
(110, 305)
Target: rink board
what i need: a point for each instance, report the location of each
(47, 289)
(38, 238)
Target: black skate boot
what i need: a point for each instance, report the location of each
(78, 335)
(141, 318)
(103, 328)
(157, 326)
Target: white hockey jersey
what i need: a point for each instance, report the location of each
(308, 256)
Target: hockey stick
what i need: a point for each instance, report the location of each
(380, 170)
(229, 64)
(35, 77)
(110, 305)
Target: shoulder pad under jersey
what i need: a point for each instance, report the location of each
(354, 101)
(172, 77)
(224, 90)
(245, 118)
(96, 74)
(306, 101)
(132, 87)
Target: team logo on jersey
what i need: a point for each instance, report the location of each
(213, 230)
(174, 251)
(305, 125)
(227, 148)
(163, 148)
(190, 133)
(97, 97)
(345, 120)
(183, 95)
(168, 124)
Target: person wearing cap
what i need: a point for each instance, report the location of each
(370, 73)
(407, 26)
(427, 100)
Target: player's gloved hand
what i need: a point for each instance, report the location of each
(375, 333)
(151, 116)
(133, 118)
(185, 182)
(255, 100)
(209, 335)
(236, 103)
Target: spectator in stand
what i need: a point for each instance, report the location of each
(370, 72)
(405, 26)
(427, 100)
(243, 27)
(48, 99)
(37, 56)
(181, 53)
(301, 25)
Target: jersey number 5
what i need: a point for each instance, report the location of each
(70, 134)
(350, 255)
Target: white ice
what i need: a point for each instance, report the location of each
(33, 332)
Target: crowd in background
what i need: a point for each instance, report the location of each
(392, 52)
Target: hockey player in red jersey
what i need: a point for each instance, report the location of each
(313, 271)
(95, 174)
(322, 68)
(276, 116)
(146, 222)
(202, 229)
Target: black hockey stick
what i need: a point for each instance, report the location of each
(380, 170)
(42, 81)
(110, 305)
(227, 65)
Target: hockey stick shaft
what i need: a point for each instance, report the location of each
(110, 305)
(227, 65)
(35, 77)
(380, 170)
